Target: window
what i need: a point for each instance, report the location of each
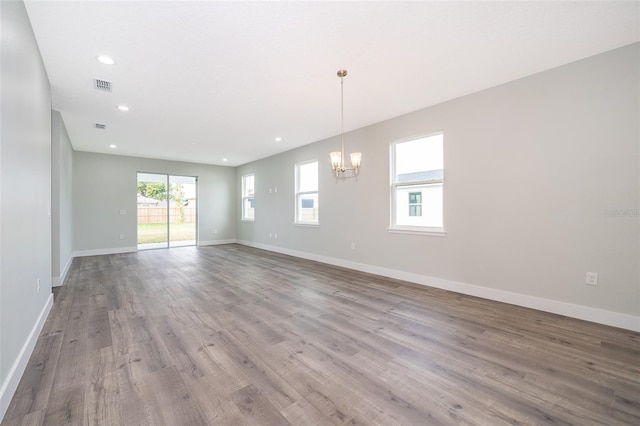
(417, 176)
(248, 200)
(415, 204)
(307, 193)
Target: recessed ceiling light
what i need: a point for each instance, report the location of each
(225, 160)
(105, 60)
(112, 146)
(123, 108)
(278, 139)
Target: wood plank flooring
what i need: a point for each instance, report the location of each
(231, 335)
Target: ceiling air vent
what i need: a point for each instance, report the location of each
(103, 85)
(100, 126)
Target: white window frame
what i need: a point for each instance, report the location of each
(245, 197)
(299, 193)
(404, 229)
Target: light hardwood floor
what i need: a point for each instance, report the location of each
(231, 335)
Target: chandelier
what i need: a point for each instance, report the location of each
(337, 157)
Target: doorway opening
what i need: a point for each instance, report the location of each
(167, 211)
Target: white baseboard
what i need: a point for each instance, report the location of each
(58, 281)
(215, 242)
(600, 316)
(10, 385)
(99, 252)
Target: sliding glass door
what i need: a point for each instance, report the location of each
(182, 211)
(167, 207)
(153, 224)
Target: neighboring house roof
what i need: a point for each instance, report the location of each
(423, 176)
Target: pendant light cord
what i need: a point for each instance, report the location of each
(342, 121)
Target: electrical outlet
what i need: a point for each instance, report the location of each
(353, 245)
(122, 236)
(123, 211)
(275, 235)
(215, 231)
(270, 234)
(592, 278)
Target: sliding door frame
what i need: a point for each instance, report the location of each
(167, 183)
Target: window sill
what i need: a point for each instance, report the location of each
(247, 220)
(433, 232)
(309, 225)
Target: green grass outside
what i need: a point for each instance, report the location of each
(157, 232)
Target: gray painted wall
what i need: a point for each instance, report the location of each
(97, 222)
(25, 179)
(531, 166)
(61, 198)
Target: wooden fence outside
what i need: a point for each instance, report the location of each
(154, 214)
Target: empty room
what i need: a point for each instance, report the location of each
(319, 212)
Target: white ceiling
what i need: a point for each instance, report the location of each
(211, 80)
